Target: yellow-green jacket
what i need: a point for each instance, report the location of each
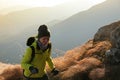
(39, 61)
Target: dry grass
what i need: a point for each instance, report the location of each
(77, 64)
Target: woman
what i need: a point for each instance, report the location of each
(35, 69)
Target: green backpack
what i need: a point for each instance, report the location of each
(30, 40)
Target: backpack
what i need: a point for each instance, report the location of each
(29, 42)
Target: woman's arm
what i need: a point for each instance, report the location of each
(25, 62)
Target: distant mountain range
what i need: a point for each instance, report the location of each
(82, 26)
(19, 20)
(66, 34)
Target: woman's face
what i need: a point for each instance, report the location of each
(44, 40)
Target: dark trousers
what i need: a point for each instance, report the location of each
(45, 77)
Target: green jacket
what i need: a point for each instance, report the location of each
(39, 61)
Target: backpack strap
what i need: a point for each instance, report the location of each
(49, 47)
(33, 53)
(32, 56)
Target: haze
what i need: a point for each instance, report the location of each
(7, 6)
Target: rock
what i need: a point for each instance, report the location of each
(115, 37)
(112, 72)
(104, 33)
(113, 56)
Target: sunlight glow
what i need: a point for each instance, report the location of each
(47, 3)
(96, 1)
(7, 6)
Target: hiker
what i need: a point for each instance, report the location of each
(35, 69)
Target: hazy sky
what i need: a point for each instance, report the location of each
(6, 3)
(44, 3)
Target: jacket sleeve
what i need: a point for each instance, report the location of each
(25, 62)
(49, 61)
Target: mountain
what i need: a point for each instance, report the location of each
(38, 15)
(80, 27)
(108, 33)
(16, 27)
(21, 19)
(25, 18)
(7, 10)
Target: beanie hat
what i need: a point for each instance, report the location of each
(43, 31)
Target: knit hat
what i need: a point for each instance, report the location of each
(43, 31)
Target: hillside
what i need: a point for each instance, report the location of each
(27, 17)
(85, 62)
(82, 26)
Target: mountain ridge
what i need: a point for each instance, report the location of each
(85, 23)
